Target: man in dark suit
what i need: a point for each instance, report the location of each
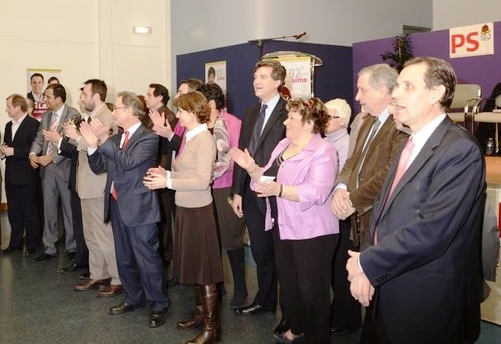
(157, 97)
(54, 172)
(21, 180)
(424, 262)
(361, 180)
(262, 128)
(133, 209)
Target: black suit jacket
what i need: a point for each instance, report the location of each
(426, 265)
(18, 170)
(272, 133)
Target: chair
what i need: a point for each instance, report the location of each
(465, 104)
(491, 117)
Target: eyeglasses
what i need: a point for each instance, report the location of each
(120, 107)
(332, 117)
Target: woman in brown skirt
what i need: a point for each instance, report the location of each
(197, 258)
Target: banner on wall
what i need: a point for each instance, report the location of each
(215, 72)
(37, 79)
(473, 40)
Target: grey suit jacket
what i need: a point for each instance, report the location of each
(39, 146)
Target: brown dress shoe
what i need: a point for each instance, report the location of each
(91, 284)
(110, 291)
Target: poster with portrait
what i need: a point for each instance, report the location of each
(37, 80)
(215, 72)
(298, 78)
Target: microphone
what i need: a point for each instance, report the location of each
(298, 36)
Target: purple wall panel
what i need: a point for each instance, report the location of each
(482, 70)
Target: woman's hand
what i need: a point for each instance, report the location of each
(267, 189)
(156, 178)
(242, 158)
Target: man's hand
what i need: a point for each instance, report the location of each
(52, 136)
(352, 265)
(101, 130)
(6, 150)
(70, 131)
(236, 204)
(34, 161)
(341, 206)
(45, 160)
(161, 127)
(362, 289)
(88, 135)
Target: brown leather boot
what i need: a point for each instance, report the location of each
(196, 318)
(211, 329)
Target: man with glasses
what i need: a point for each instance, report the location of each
(362, 177)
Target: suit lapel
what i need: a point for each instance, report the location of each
(275, 116)
(424, 155)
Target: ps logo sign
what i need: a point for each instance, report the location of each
(473, 40)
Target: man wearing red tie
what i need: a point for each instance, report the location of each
(422, 273)
(132, 208)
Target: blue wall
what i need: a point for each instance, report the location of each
(332, 80)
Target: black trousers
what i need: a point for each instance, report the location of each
(304, 274)
(262, 250)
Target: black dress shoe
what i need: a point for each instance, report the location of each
(124, 307)
(283, 326)
(85, 276)
(157, 318)
(10, 250)
(251, 310)
(44, 256)
(30, 252)
(71, 268)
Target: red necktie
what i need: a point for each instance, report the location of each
(114, 193)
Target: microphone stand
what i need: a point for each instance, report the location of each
(260, 41)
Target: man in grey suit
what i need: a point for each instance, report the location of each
(54, 172)
(423, 270)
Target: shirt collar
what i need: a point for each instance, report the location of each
(425, 132)
(271, 103)
(195, 131)
(18, 121)
(133, 128)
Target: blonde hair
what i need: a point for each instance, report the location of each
(341, 106)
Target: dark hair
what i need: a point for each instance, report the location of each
(59, 91)
(213, 92)
(52, 78)
(193, 83)
(312, 109)
(211, 71)
(99, 87)
(161, 90)
(131, 100)
(36, 74)
(439, 72)
(278, 71)
(18, 100)
(196, 103)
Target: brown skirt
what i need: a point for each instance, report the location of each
(197, 256)
(231, 227)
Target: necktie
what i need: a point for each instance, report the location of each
(114, 193)
(402, 164)
(367, 144)
(126, 139)
(53, 126)
(402, 167)
(258, 128)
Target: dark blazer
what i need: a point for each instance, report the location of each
(372, 174)
(167, 147)
(272, 133)
(426, 265)
(18, 170)
(126, 168)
